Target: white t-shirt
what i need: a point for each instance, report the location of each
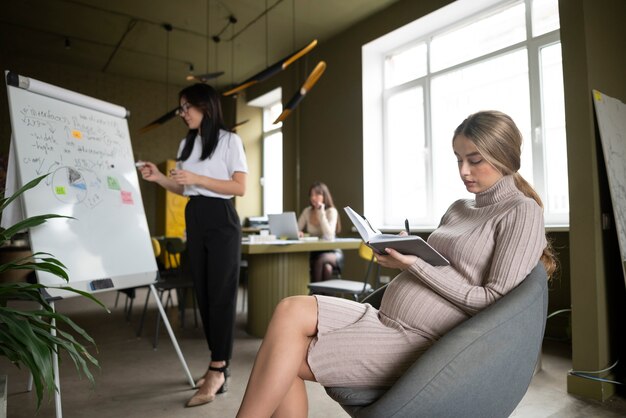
(228, 157)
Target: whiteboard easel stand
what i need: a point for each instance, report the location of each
(55, 356)
(172, 336)
(55, 368)
(44, 116)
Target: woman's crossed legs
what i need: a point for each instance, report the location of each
(276, 385)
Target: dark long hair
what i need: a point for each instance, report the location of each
(204, 98)
(320, 188)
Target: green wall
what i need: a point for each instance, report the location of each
(594, 44)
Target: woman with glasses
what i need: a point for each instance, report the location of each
(211, 169)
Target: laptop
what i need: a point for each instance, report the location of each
(284, 225)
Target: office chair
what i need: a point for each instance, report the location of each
(481, 368)
(354, 288)
(173, 278)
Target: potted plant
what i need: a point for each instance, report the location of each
(26, 337)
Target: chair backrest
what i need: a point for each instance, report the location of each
(482, 368)
(174, 248)
(340, 286)
(366, 252)
(156, 247)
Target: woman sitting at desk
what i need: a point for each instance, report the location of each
(321, 219)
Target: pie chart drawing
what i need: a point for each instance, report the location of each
(72, 185)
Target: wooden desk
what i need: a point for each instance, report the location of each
(276, 271)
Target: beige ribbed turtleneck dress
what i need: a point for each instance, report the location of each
(492, 243)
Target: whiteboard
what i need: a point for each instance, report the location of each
(84, 145)
(611, 116)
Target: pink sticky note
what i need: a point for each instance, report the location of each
(127, 197)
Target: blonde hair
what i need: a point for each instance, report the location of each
(499, 141)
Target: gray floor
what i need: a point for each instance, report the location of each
(136, 381)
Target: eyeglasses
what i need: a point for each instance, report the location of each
(184, 108)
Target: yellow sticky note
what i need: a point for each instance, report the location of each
(77, 134)
(597, 95)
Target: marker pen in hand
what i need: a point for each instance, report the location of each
(179, 166)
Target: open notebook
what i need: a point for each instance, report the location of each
(410, 244)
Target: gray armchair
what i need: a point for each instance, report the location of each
(482, 368)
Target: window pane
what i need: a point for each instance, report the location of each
(555, 145)
(405, 66)
(273, 173)
(504, 28)
(480, 63)
(497, 84)
(404, 159)
(545, 16)
(270, 114)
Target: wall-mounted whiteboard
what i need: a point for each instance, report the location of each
(84, 145)
(611, 116)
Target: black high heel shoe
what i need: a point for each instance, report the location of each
(200, 381)
(201, 399)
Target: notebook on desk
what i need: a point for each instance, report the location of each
(284, 225)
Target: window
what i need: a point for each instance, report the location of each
(423, 79)
(272, 177)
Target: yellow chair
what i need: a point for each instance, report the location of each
(367, 253)
(156, 247)
(356, 289)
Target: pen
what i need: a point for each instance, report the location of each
(406, 226)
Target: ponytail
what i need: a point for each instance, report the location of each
(499, 141)
(548, 258)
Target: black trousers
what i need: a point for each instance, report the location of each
(214, 253)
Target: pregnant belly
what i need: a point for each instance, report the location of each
(414, 306)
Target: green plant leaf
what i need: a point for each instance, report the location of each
(32, 258)
(37, 262)
(6, 201)
(60, 318)
(33, 352)
(40, 347)
(27, 223)
(23, 291)
(86, 295)
(26, 337)
(78, 353)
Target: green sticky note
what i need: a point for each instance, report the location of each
(59, 190)
(113, 183)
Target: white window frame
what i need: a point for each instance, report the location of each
(375, 98)
(266, 102)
